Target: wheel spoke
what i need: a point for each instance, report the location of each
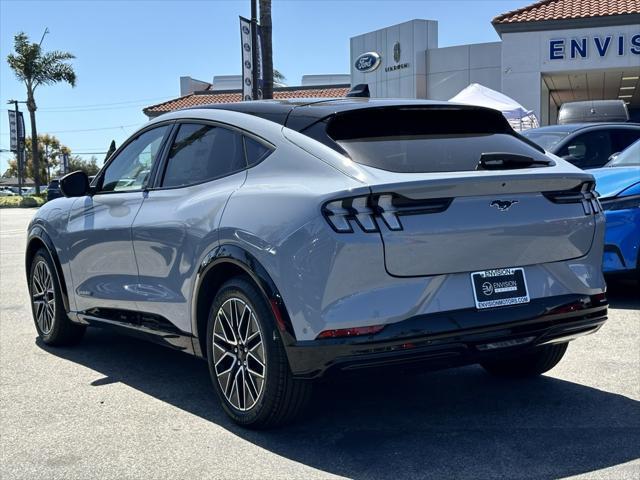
(227, 326)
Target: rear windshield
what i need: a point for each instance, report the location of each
(546, 140)
(424, 140)
(432, 153)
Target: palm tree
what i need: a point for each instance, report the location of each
(35, 68)
(267, 51)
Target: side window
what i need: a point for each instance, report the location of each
(201, 153)
(621, 139)
(588, 150)
(255, 150)
(130, 170)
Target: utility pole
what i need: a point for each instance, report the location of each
(46, 160)
(254, 50)
(20, 143)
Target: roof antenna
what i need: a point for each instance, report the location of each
(360, 90)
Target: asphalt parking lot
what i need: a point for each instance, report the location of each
(115, 407)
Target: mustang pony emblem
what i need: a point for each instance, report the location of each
(503, 205)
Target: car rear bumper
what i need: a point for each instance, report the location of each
(454, 338)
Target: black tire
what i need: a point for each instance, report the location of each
(53, 326)
(529, 364)
(278, 398)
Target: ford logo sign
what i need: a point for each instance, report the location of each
(367, 62)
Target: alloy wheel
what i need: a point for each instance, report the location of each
(43, 297)
(239, 354)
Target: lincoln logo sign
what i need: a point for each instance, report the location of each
(584, 47)
(367, 62)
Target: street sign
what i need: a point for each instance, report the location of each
(247, 62)
(16, 130)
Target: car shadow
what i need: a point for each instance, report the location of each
(458, 423)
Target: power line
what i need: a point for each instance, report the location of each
(87, 129)
(102, 106)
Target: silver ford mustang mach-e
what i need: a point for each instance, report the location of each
(282, 240)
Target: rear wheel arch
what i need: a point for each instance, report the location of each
(37, 239)
(221, 264)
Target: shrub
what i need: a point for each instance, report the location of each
(21, 202)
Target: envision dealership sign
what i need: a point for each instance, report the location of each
(584, 47)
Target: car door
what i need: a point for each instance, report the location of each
(586, 150)
(177, 223)
(102, 261)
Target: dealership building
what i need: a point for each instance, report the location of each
(550, 52)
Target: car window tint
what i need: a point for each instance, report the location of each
(588, 150)
(256, 151)
(621, 139)
(130, 170)
(203, 152)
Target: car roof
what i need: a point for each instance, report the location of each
(299, 113)
(573, 127)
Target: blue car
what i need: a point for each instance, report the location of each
(618, 184)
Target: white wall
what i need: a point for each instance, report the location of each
(451, 69)
(415, 37)
(526, 56)
(325, 79)
(189, 85)
(227, 82)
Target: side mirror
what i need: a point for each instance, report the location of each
(75, 184)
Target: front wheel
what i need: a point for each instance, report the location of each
(52, 323)
(529, 364)
(247, 361)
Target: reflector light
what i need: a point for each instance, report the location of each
(350, 332)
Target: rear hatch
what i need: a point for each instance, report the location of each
(454, 189)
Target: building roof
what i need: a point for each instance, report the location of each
(546, 10)
(233, 96)
(13, 182)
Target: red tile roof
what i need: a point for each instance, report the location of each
(568, 9)
(196, 99)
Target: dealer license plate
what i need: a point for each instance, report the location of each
(499, 288)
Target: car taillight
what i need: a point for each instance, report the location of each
(367, 211)
(341, 213)
(584, 194)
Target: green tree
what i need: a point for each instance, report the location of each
(50, 152)
(90, 167)
(112, 148)
(34, 67)
(267, 50)
(278, 77)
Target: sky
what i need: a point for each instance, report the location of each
(131, 54)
